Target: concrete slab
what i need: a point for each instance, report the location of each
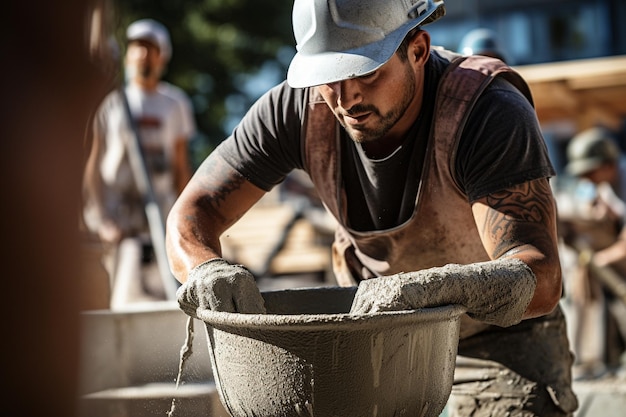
(139, 345)
(604, 397)
(155, 399)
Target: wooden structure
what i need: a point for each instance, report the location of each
(583, 92)
(274, 239)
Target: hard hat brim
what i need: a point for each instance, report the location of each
(309, 70)
(330, 67)
(581, 167)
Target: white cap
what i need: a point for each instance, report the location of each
(151, 31)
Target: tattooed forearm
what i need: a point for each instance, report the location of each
(213, 183)
(219, 189)
(520, 215)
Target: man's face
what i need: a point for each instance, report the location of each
(143, 59)
(607, 172)
(370, 107)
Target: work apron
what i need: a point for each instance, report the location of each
(524, 367)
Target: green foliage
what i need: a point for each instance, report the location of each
(215, 42)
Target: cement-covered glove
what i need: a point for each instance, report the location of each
(496, 292)
(220, 286)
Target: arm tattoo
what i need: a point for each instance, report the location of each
(219, 186)
(520, 215)
(218, 180)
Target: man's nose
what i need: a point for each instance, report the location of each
(142, 51)
(348, 93)
(138, 51)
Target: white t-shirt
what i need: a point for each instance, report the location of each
(162, 117)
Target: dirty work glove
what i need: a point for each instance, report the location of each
(217, 285)
(495, 292)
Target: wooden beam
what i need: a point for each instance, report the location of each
(595, 68)
(586, 92)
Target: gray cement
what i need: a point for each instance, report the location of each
(185, 352)
(308, 356)
(325, 352)
(495, 292)
(220, 286)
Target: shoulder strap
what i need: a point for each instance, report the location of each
(321, 150)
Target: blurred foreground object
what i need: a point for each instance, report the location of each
(51, 89)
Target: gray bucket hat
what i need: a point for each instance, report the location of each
(342, 39)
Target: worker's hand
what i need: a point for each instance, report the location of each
(496, 292)
(385, 293)
(220, 286)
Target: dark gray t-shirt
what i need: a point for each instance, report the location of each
(501, 146)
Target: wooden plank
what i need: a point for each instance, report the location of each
(251, 241)
(596, 69)
(583, 92)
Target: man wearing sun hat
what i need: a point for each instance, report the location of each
(436, 171)
(163, 119)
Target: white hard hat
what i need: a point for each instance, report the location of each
(341, 39)
(152, 31)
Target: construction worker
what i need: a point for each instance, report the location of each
(440, 189)
(593, 226)
(164, 124)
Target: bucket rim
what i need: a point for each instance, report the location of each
(335, 321)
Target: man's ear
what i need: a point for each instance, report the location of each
(419, 48)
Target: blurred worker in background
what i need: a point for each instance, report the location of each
(593, 225)
(161, 119)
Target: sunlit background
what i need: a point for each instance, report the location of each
(228, 52)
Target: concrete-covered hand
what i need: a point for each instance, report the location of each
(220, 286)
(496, 292)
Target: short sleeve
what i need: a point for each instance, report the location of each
(502, 144)
(265, 145)
(185, 123)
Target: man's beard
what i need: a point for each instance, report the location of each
(362, 134)
(146, 71)
(142, 71)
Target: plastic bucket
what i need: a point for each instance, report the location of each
(309, 357)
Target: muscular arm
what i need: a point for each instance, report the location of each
(520, 222)
(96, 217)
(92, 183)
(213, 200)
(522, 280)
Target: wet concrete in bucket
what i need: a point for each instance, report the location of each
(309, 357)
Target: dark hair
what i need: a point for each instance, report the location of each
(403, 49)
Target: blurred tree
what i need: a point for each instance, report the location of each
(219, 46)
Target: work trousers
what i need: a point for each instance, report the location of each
(519, 371)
